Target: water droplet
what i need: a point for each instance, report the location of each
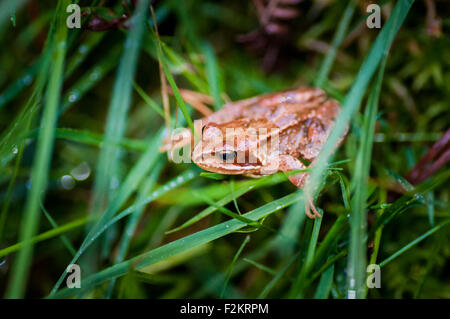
(83, 49)
(15, 149)
(27, 79)
(114, 183)
(95, 75)
(81, 172)
(74, 96)
(173, 184)
(67, 182)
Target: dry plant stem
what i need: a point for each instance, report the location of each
(197, 100)
(165, 97)
(433, 22)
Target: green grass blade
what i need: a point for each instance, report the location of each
(233, 262)
(109, 157)
(325, 283)
(148, 100)
(180, 245)
(22, 263)
(64, 238)
(132, 181)
(353, 99)
(134, 218)
(414, 242)
(358, 217)
(279, 275)
(47, 235)
(341, 32)
(213, 75)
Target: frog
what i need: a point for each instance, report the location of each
(262, 135)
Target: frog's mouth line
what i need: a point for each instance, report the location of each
(230, 169)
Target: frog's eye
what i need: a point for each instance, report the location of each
(227, 156)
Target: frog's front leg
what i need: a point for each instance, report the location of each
(289, 163)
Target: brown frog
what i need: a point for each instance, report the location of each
(263, 135)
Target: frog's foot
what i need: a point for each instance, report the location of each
(289, 163)
(309, 205)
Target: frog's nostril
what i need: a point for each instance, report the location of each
(227, 156)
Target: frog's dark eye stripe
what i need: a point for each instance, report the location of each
(227, 156)
(203, 128)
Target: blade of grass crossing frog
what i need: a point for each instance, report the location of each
(134, 218)
(338, 37)
(180, 245)
(223, 201)
(358, 219)
(130, 184)
(41, 164)
(233, 262)
(353, 99)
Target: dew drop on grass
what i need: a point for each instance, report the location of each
(67, 182)
(114, 183)
(83, 49)
(15, 149)
(95, 75)
(73, 97)
(27, 79)
(81, 172)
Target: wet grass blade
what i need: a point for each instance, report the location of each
(30, 221)
(358, 217)
(109, 157)
(46, 235)
(134, 218)
(63, 238)
(414, 242)
(130, 184)
(341, 32)
(353, 99)
(233, 262)
(180, 245)
(213, 74)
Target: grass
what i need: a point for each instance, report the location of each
(143, 227)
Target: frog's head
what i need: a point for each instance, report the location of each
(237, 147)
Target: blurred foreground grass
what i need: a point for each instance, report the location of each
(82, 118)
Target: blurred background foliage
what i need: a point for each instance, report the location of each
(227, 50)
